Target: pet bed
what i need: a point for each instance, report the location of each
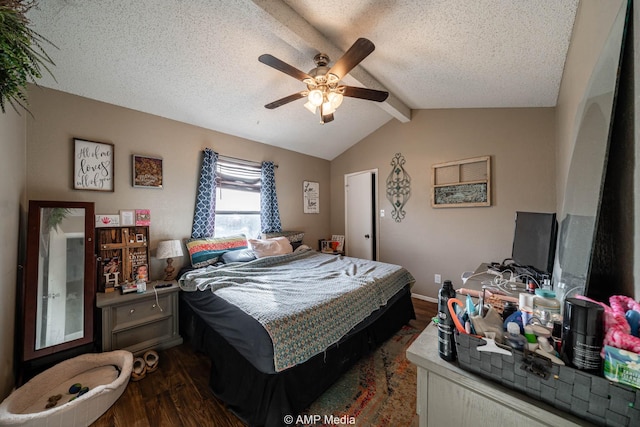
(105, 374)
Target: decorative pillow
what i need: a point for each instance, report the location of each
(292, 236)
(207, 250)
(270, 247)
(244, 255)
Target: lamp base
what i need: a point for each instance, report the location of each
(169, 270)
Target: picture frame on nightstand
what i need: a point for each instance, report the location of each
(127, 217)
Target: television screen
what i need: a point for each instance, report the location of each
(534, 240)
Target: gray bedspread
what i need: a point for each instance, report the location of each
(306, 301)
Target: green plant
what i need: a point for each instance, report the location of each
(22, 57)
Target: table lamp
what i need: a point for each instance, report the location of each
(169, 249)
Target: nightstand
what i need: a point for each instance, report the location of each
(138, 322)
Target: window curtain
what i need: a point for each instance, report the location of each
(269, 213)
(204, 217)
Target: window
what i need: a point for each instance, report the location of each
(237, 198)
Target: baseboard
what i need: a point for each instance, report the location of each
(424, 298)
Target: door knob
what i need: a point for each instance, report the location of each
(366, 236)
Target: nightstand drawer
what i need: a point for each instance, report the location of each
(139, 311)
(135, 321)
(156, 331)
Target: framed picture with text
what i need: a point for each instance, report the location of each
(143, 217)
(147, 171)
(311, 196)
(127, 217)
(93, 165)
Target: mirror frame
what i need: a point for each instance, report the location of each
(31, 278)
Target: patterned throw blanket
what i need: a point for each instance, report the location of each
(306, 300)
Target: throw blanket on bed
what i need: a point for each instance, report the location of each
(306, 300)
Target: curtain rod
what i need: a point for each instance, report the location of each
(246, 162)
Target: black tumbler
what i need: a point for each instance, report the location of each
(582, 335)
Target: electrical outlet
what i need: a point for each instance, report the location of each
(381, 213)
(438, 278)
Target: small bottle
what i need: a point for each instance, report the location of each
(513, 337)
(446, 342)
(546, 307)
(141, 286)
(508, 309)
(560, 289)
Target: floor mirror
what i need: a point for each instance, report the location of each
(59, 289)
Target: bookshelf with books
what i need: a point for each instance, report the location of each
(122, 251)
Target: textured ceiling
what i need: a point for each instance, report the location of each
(196, 61)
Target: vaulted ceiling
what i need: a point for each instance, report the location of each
(196, 61)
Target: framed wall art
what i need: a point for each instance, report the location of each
(147, 171)
(462, 183)
(127, 217)
(93, 165)
(311, 195)
(143, 217)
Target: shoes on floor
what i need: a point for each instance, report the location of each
(139, 370)
(151, 359)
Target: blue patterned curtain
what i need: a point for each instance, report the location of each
(204, 217)
(269, 213)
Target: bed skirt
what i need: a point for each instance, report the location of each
(261, 399)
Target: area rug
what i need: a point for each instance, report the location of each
(379, 390)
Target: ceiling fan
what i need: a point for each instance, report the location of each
(324, 90)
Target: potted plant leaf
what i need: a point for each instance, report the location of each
(22, 57)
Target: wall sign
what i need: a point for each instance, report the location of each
(93, 165)
(462, 183)
(147, 171)
(311, 195)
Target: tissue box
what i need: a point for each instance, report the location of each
(622, 366)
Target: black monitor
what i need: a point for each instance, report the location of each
(534, 240)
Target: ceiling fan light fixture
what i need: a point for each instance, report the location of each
(336, 99)
(323, 91)
(327, 108)
(316, 97)
(309, 106)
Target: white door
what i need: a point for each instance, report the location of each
(360, 205)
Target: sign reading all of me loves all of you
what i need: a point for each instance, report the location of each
(93, 165)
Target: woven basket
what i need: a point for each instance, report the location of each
(587, 396)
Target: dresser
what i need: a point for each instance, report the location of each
(450, 396)
(138, 322)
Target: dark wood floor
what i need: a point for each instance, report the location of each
(178, 394)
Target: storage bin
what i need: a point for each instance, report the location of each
(587, 396)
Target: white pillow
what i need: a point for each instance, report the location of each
(269, 247)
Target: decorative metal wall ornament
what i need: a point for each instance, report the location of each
(398, 187)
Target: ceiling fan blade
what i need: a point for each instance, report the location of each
(356, 53)
(286, 100)
(327, 118)
(363, 93)
(280, 65)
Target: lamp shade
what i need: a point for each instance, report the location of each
(169, 249)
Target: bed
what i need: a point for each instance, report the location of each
(279, 330)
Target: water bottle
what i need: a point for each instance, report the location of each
(446, 342)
